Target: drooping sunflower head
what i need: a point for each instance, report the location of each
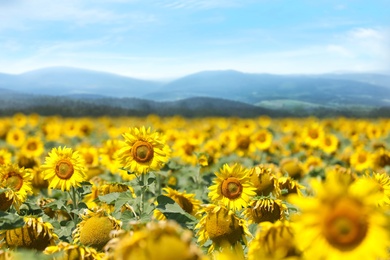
(342, 221)
(264, 180)
(290, 186)
(222, 227)
(163, 240)
(293, 167)
(35, 234)
(186, 201)
(95, 228)
(262, 210)
(17, 184)
(66, 251)
(273, 241)
(64, 168)
(144, 151)
(232, 187)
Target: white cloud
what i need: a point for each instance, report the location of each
(339, 50)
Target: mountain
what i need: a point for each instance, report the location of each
(256, 88)
(195, 94)
(67, 81)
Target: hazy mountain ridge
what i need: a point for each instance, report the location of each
(224, 93)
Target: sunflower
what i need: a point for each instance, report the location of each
(342, 221)
(290, 185)
(273, 241)
(5, 157)
(264, 179)
(263, 139)
(383, 182)
(361, 160)
(313, 134)
(64, 168)
(94, 229)
(16, 137)
(16, 183)
(223, 228)
(293, 167)
(143, 151)
(232, 187)
(35, 234)
(73, 251)
(90, 154)
(186, 201)
(32, 147)
(262, 210)
(163, 240)
(329, 143)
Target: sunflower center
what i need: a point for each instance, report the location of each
(189, 149)
(64, 169)
(261, 138)
(14, 181)
(32, 146)
(2, 160)
(243, 142)
(345, 227)
(328, 142)
(231, 188)
(88, 158)
(362, 158)
(142, 151)
(313, 133)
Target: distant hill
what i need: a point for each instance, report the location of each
(255, 88)
(76, 92)
(67, 81)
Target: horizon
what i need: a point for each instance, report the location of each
(165, 40)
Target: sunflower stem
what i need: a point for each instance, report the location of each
(73, 197)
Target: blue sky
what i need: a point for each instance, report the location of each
(167, 39)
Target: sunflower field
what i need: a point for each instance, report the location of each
(194, 188)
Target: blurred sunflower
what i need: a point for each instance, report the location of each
(232, 187)
(383, 182)
(66, 251)
(186, 201)
(143, 151)
(263, 139)
(312, 163)
(90, 154)
(273, 241)
(381, 158)
(32, 147)
(342, 221)
(35, 234)
(163, 240)
(329, 143)
(361, 160)
(16, 137)
(293, 167)
(95, 228)
(5, 157)
(262, 210)
(223, 228)
(16, 183)
(312, 134)
(63, 168)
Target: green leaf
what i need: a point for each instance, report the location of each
(10, 221)
(151, 180)
(56, 205)
(172, 210)
(109, 198)
(123, 198)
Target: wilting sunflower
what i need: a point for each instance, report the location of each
(94, 229)
(35, 234)
(164, 240)
(290, 185)
(186, 201)
(262, 210)
(64, 168)
(273, 241)
(16, 183)
(293, 167)
(223, 228)
(66, 251)
(143, 151)
(264, 180)
(232, 187)
(342, 221)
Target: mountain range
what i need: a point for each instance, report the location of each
(300, 93)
